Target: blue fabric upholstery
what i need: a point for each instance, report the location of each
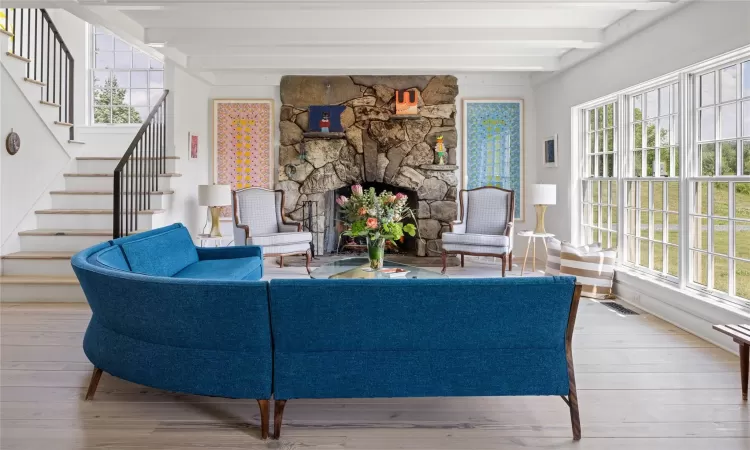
(112, 257)
(384, 338)
(163, 254)
(224, 269)
(202, 336)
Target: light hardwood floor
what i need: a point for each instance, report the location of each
(643, 384)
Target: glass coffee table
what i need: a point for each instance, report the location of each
(359, 268)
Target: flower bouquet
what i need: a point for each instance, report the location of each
(377, 217)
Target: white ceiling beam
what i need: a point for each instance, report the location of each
(539, 37)
(437, 21)
(388, 4)
(393, 63)
(431, 50)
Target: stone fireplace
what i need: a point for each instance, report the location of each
(376, 147)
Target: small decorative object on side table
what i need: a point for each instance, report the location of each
(214, 196)
(532, 235)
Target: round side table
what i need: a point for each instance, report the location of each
(205, 239)
(532, 242)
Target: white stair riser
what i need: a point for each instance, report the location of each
(41, 267)
(93, 221)
(102, 183)
(107, 166)
(41, 293)
(78, 201)
(60, 243)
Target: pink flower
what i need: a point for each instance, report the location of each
(357, 189)
(342, 200)
(400, 196)
(362, 211)
(372, 223)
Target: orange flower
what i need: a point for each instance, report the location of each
(372, 223)
(362, 211)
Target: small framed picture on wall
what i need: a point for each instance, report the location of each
(549, 151)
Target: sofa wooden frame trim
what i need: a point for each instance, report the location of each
(508, 230)
(248, 234)
(571, 400)
(263, 404)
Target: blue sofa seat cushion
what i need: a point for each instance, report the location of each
(223, 269)
(163, 254)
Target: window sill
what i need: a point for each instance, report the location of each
(690, 310)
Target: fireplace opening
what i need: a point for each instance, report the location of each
(343, 244)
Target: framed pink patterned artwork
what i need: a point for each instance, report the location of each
(243, 144)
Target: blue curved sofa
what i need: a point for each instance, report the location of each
(177, 317)
(186, 319)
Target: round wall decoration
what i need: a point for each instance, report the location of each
(13, 142)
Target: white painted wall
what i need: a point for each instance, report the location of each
(694, 33)
(188, 112)
(28, 175)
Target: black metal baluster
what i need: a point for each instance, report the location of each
(36, 42)
(67, 100)
(71, 99)
(28, 41)
(15, 32)
(54, 70)
(48, 64)
(60, 55)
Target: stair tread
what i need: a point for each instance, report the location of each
(6, 32)
(67, 232)
(73, 141)
(113, 158)
(39, 255)
(43, 102)
(38, 279)
(13, 55)
(92, 211)
(92, 175)
(65, 124)
(107, 192)
(33, 81)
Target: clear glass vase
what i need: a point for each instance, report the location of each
(375, 252)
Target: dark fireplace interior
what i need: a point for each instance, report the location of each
(408, 245)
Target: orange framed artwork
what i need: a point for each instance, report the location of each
(242, 153)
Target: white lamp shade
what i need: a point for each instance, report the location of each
(214, 195)
(543, 194)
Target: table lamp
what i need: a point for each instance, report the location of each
(214, 196)
(541, 196)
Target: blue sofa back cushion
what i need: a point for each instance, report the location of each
(112, 257)
(162, 254)
(400, 338)
(225, 269)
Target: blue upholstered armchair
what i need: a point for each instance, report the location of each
(259, 220)
(485, 228)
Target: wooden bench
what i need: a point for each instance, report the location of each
(741, 335)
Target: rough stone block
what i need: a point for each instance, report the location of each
(303, 91)
(432, 189)
(444, 211)
(441, 89)
(290, 133)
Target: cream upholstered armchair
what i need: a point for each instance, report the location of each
(259, 220)
(485, 228)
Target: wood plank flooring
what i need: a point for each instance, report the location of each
(643, 384)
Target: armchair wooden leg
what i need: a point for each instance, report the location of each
(263, 405)
(95, 377)
(308, 256)
(510, 261)
(444, 256)
(744, 368)
(504, 259)
(462, 259)
(281, 262)
(278, 413)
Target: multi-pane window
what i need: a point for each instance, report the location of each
(652, 189)
(599, 170)
(720, 183)
(126, 83)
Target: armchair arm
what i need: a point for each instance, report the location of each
(458, 227)
(242, 251)
(288, 226)
(510, 234)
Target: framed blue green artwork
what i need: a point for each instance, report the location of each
(493, 146)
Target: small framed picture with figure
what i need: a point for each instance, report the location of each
(549, 151)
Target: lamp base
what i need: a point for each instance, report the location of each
(215, 211)
(540, 210)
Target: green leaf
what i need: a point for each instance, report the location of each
(410, 229)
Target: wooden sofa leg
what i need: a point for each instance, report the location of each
(575, 419)
(281, 262)
(263, 405)
(308, 256)
(95, 377)
(462, 259)
(278, 414)
(744, 368)
(444, 256)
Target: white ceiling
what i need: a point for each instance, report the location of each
(372, 36)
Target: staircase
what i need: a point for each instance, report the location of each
(82, 214)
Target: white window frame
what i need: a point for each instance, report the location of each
(91, 70)
(688, 160)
